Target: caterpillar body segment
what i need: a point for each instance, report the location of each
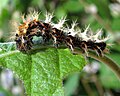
(58, 34)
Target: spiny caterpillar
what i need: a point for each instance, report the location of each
(58, 34)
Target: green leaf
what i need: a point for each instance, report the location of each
(4, 92)
(45, 66)
(71, 84)
(3, 4)
(69, 62)
(42, 72)
(115, 24)
(108, 78)
(103, 8)
(60, 12)
(20, 64)
(73, 6)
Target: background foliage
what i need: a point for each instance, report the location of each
(103, 14)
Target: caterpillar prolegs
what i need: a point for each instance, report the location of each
(58, 34)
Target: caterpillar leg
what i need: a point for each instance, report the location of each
(99, 51)
(55, 43)
(84, 48)
(69, 43)
(70, 46)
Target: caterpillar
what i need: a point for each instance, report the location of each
(58, 34)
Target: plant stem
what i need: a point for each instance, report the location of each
(106, 60)
(5, 43)
(109, 62)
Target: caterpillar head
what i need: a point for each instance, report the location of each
(23, 36)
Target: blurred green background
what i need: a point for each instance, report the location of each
(96, 79)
